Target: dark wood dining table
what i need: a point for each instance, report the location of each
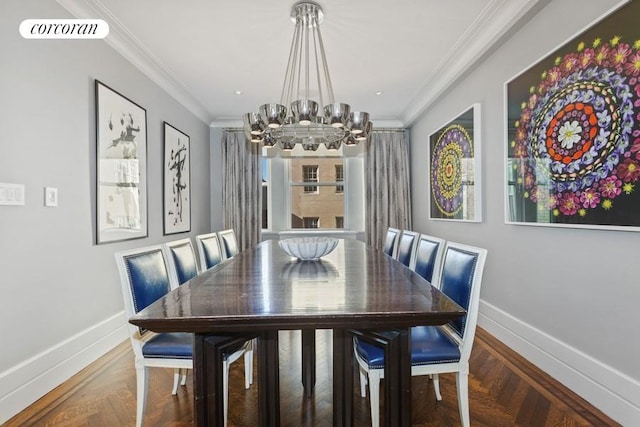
(263, 290)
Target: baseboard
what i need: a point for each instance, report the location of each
(613, 392)
(28, 381)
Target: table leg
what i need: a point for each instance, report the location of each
(268, 379)
(397, 374)
(208, 377)
(308, 361)
(342, 378)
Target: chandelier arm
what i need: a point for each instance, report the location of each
(326, 69)
(285, 97)
(300, 58)
(315, 46)
(306, 58)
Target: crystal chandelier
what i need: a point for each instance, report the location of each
(307, 87)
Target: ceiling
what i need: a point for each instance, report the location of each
(204, 51)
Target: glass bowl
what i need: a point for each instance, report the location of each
(308, 248)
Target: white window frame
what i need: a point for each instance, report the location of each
(279, 197)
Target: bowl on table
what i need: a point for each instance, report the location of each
(308, 248)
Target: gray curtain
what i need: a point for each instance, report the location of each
(241, 187)
(387, 192)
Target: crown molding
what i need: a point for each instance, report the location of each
(226, 123)
(123, 42)
(495, 21)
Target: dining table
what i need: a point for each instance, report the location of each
(355, 289)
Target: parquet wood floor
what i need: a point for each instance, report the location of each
(504, 390)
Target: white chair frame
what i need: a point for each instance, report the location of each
(412, 251)
(460, 368)
(437, 262)
(142, 364)
(221, 238)
(397, 232)
(201, 251)
(171, 265)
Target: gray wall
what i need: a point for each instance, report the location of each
(575, 289)
(55, 283)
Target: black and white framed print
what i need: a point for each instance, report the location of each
(177, 181)
(121, 167)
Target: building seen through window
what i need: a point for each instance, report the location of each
(316, 206)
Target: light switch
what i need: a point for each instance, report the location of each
(11, 194)
(50, 196)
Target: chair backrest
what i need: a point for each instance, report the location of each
(181, 261)
(406, 245)
(390, 241)
(209, 250)
(427, 260)
(144, 279)
(229, 243)
(461, 281)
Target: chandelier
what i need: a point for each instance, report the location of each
(307, 88)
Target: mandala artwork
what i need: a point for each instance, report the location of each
(574, 152)
(452, 172)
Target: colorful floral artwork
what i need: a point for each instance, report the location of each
(574, 130)
(454, 169)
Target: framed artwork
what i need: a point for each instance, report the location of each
(177, 181)
(573, 131)
(121, 167)
(454, 169)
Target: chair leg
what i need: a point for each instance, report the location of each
(462, 381)
(184, 377)
(363, 382)
(248, 366)
(436, 386)
(374, 397)
(176, 380)
(142, 375)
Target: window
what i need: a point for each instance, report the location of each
(323, 201)
(338, 199)
(310, 174)
(310, 222)
(339, 178)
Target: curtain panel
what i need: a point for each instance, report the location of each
(387, 190)
(241, 187)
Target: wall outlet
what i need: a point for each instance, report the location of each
(11, 194)
(50, 196)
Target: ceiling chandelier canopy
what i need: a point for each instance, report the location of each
(307, 88)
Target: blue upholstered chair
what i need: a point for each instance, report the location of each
(390, 241)
(406, 246)
(228, 243)
(181, 261)
(144, 278)
(436, 349)
(427, 259)
(209, 250)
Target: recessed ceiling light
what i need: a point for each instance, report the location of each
(238, 92)
(379, 92)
